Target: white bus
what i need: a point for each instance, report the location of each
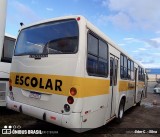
(5, 64)
(6, 52)
(67, 72)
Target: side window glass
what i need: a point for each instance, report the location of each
(129, 69)
(92, 64)
(121, 64)
(102, 49)
(92, 45)
(125, 67)
(97, 64)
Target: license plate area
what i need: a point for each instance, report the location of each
(35, 95)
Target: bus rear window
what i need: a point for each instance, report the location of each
(60, 37)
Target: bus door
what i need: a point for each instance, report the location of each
(146, 85)
(113, 83)
(136, 84)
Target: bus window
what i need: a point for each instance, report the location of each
(124, 71)
(8, 48)
(97, 56)
(129, 69)
(49, 38)
(132, 70)
(116, 71)
(92, 45)
(111, 70)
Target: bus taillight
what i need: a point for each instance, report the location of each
(73, 91)
(10, 88)
(78, 19)
(70, 100)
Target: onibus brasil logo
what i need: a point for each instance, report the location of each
(6, 130)
(17, 130)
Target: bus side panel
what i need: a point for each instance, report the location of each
(129, 99)
(94, 119)
(141, 87)
(130, 93)
(92, 104)
(95, 92)
(72, 121)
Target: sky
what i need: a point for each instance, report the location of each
(133, 25)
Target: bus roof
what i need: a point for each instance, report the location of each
(10, 36)
(89, 25)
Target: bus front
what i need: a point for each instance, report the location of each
(5, 64)
(46, 70)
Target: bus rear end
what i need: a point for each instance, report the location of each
(45, 72)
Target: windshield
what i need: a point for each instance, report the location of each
(8, 48)
(60, 37)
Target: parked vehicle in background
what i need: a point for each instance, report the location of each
(5, 64)
(157, 90)
(6, 52)
(157, 87)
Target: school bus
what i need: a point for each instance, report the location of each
(5, 64)
(67, 72)
(6, 51)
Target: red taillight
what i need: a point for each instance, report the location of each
(78, 19)
(70, 100)
(10, 84)
(10, 88)
(73, 91)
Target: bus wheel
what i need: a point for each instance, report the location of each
(120, 111)
(139, 103)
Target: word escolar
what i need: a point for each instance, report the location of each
(38, 82)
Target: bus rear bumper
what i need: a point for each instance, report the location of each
(72, 121)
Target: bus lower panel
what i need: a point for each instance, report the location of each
(72, 121)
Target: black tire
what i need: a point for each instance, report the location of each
(121, 111)
(139, 103)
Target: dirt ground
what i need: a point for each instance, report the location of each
(144, 118)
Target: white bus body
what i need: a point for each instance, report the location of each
(6, 51)
(67, 72)
(5, 65)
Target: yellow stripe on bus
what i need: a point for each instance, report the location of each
(55, 84)
(129, 85)
(141, 84)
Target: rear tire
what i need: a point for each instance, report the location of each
(121, 111)
(139, 103)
